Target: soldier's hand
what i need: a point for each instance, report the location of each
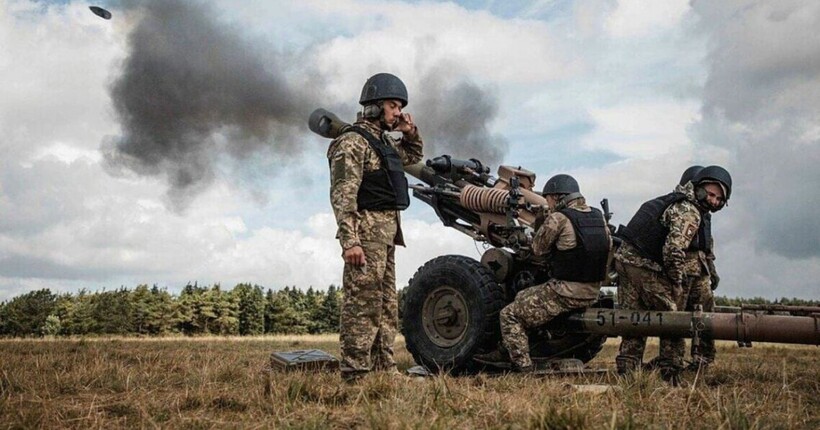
(406, 124)
(354, 256)
(715, 280)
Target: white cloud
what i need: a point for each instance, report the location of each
(514, 51)
(643, 130)
(637, 18)
(66, 153)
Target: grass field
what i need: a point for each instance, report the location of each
(220, 383)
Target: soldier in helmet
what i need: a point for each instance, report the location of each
(701, 278)
(652, 262)
(367, 190)
(576, 239)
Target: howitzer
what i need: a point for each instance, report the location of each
(452, 302)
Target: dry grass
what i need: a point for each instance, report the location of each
(217, 382)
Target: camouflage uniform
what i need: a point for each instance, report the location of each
(699, 269)
(369, 313)
(645, 285)
(539, 304)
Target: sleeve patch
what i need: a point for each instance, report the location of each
(690, 230)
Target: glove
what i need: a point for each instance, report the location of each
(715, 279)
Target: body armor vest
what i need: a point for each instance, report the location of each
(588, 260)
(384, 188)
(646, 232)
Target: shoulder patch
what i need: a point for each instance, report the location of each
(690, 230)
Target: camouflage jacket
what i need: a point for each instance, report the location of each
(557, 231)
(350, 156)
(682, 219)
(698, 263)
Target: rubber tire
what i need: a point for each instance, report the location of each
(484, 297)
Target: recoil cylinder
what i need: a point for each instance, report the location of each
(480, 199)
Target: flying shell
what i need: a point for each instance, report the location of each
(102, 13)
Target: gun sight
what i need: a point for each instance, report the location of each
(446, 165)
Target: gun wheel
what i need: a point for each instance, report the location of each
(445, 316)
(451, 312)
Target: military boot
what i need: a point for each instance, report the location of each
(651, 364)
(626, 364)
(699, 364)
(498, 358)
(671, 375)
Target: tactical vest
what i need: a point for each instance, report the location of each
(646, 232)
(384, 188)
(588, 260)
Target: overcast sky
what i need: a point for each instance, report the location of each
(168, 144)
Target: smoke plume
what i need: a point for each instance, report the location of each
(454, 115)
(192, 88)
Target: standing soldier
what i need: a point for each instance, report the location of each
(367, 190)
(577, 240)
(652, 263)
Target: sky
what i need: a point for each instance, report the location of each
(169, 144)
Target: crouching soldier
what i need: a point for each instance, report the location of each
(652, 263)
(576, 239)
(701, 278)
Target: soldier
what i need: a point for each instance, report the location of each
(367, 190)
(576, 239)
(652, 264)
(701, 278)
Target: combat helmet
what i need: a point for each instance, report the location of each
(689, 173)
(383, 86)
(561, 184)
(564, 185)
(713, 174)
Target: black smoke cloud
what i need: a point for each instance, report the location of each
(761, 103)
(454, 114)
(193, 90)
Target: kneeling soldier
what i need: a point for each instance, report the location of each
(576, 239)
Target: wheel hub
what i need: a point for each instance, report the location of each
(445, 316)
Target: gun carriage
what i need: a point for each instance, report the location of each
(452, 303)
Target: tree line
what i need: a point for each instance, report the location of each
(244, 310)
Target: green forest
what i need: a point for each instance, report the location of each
(244, 310)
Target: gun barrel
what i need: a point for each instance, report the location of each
(420, 172)
(743, 327)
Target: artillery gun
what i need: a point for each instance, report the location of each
(452, 303)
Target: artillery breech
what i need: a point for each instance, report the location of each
(743, 327)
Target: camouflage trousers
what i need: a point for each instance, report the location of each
(643, 289)
(369, 313)
(700, 293)
(531, 308)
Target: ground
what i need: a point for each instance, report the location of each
(222, 383)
